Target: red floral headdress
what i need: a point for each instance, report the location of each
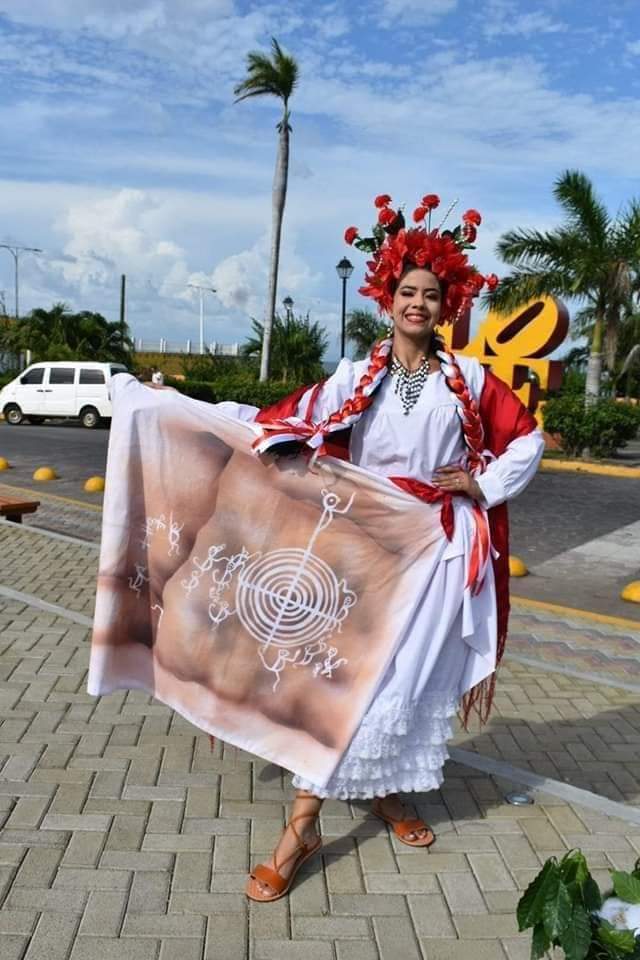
(394, 247)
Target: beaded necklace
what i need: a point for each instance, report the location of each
(409, 383)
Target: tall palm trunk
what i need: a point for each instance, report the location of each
(279, 195)
(594, 365)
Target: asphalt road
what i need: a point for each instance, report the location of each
(73, 451)
(558, 511)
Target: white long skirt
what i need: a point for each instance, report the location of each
(400, 745)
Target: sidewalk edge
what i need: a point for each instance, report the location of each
(575, 612)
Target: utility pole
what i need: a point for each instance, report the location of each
(201, 290)
(15, 250)
(123, 287)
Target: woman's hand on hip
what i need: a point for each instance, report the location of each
(454, 479)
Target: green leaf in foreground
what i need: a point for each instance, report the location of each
(623, 941)
(531, 903)
(540, 942)
(557, 909)
(591, 895)
(626, 886)
(576, 937)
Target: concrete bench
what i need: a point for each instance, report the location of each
(14, 509)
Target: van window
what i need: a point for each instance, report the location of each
(118, 368)
(61, 375)
(33, 376)
(91, 376)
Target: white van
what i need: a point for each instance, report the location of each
(60, 389)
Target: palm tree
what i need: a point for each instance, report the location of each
(58, 334)
(591, 256)
(275, 76)
(363, 329)
(298, 348)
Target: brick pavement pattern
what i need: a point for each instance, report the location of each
(59, 515)
(124, 836)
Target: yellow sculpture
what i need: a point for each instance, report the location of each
(515, 345)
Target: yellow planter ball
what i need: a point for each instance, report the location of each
(631, 592)
(517, 567)
(45, 473)
(94, 485)
(4, 463)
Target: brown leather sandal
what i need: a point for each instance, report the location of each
(402, 828)
(274, 878)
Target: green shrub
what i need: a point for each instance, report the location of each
(211, 368)
(7, 376)
(601, 427)
(241, 389)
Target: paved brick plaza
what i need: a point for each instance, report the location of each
(123, 836)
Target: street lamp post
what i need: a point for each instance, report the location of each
(344, 270)
(287, 303)
(201, 290)
(15, 250)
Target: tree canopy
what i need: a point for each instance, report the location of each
(363, 329)
(297, 348)
(591, 256)
(59, 334)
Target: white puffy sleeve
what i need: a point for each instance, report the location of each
(239, 411)
(508, 475)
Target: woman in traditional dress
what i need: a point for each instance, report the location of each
(449, 432)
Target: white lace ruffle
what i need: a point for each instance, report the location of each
(398, 748)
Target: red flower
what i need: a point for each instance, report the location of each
(431, 201)
(492, 281)
(419, 214)
(382, 200)
(386, 216)
(350, 234)
(470, 232)
(472, 216)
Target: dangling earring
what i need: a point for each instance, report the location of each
(389, 331)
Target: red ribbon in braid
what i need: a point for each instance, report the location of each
(313, 434)
(472, 428)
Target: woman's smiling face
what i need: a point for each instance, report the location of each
(417, 304)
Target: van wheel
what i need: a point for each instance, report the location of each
(89, 417)
(13, 414)
(36, 421)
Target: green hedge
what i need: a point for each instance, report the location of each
(601, 427)
(240, 389)
(7, 376)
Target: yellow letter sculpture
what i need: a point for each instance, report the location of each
(515, 344)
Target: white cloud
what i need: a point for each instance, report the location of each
(124, 16)
(633, 48)
(109, 236)
(241, 279)
(505, 18)
(411, 12)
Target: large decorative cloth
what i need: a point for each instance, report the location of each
(263, 599)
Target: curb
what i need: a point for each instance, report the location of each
(94, 507)
(575, 612)
(576, 466)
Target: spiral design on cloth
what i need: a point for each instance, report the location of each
(289, 597)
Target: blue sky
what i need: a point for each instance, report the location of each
(122, 150)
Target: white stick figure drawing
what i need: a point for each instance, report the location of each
(174, 536)
(136, 583)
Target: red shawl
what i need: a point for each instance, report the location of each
(504, 419)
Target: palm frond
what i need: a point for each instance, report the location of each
(575, 193)
(276, 75)
(557, 249)
(521, 286)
